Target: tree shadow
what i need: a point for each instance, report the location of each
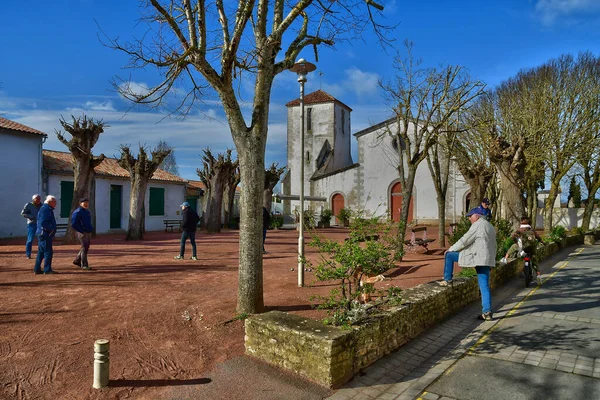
(157, 382)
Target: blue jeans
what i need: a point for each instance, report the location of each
(30, 235)
(184, 237)
(44, 253)
(450, 258)
(483, 277)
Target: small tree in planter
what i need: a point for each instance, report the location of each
(371, 249)
(344, 216)
(325, 221)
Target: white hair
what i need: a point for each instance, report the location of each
(35, 196)
(49, 198)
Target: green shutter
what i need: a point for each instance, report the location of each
(157, 201)
(66, 198)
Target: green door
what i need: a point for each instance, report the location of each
(193, 202)
(116, 197)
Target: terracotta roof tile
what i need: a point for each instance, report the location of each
(315, 98)
(62, 162)
(15, 126)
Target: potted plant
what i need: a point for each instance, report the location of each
(325, 221)
(344, 216)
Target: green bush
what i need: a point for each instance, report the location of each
(577, 231)
(276, 221)
(326, 215)
(467, 272)
(557, 234)
(371, 249)
(344, 215)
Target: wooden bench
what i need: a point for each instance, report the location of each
(61, 228)
(414, 241)
(172, 223)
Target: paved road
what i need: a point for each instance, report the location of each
(543, 344)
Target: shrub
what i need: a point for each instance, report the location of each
(467, 272)
(326, 215)
(276, 222)
(557, 234)
(371, 249)
(577, 231)
(344, 215)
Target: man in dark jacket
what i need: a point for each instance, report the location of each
(30, 211)
(46, 229)
(188, 226)
(81, 221)
(266, 223)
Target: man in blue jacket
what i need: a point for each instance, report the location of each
(30, 211)
(46, 229)
(81, 221)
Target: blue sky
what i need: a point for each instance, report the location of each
(52, 63)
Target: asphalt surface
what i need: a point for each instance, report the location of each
(544, 343)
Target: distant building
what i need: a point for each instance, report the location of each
(372, 183)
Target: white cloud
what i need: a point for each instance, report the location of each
(134, 88)
(362, 83)
(99, 106)
(550, 10)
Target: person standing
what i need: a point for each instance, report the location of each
(475, 249)
(30, 211)
(266, 223)
(46, 229)
(189, 224)
(485, 205)
(81, 221)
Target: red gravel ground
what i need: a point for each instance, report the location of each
(165, 319)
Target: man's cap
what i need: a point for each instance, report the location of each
(83, 200)
(185, 204)
(476, 210)
(486, 201)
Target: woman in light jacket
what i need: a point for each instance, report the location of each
(475, 249)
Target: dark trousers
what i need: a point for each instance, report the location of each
(44, 253)
(184, 237)
(264, 238)
(84, 240)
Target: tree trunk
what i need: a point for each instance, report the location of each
(549, 207)
(250, 280)
(215, 203)
(93, 203)
(407, 189)
(268, 198)
(512, 203)
(135, 230)
(587, 214)
(83, 171)
(442, 222)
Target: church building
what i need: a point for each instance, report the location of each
(332, 180)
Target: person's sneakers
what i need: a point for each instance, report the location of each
(194, 258)
(77, 263)
(38, 272)
(445, 283)
(485, 316)
(86, 268)
(51, 272)
(178, 258)
(28, 257)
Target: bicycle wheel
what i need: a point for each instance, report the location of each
(528, 275)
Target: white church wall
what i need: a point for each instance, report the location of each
(20, 177)
(568, 217)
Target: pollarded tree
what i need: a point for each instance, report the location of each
(424, 101)
(84, 135)
(215, 174)
(169, 164)
(230, 190)
(140, 170)
(272, 176)
(215, 48)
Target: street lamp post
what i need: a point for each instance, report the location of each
(302, 68)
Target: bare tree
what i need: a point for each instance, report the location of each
(272, 176)
(140, 172)
(257, 40)
(169, 164)
(84, 135)
(215, 175)
(230, 191)
(424, 101)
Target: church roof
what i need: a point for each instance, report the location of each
(315, 98)
(61, 162)
(15, 126)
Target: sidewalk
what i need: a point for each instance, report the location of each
(542, 344)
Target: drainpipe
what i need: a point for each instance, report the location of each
(40, 188)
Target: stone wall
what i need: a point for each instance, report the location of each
(330, 355)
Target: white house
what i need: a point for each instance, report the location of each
(164, 195)
(372, 183)
(20, 173)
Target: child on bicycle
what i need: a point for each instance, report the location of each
(529, 241)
